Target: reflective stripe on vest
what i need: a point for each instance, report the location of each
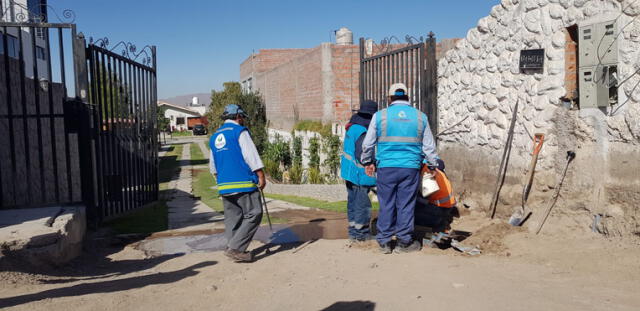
(350, 158)
(400, 139)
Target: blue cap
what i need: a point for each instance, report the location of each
(232, 110)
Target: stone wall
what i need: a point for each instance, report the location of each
(481, 79)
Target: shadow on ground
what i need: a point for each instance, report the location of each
(358, 305)
(107, 286)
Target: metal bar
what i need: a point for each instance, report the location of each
(124, 143)
(40, 25)
(136, 133)
(383, 55)
(36, 96)
(24, 113)
(12, 151)
(52, 120)
(147, 138)
(154, 101)
(97, 130)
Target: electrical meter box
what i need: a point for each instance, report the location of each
(598, 63)
(598, 44)
(593, 84)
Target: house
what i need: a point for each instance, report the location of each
(19, 41)
(182, 118)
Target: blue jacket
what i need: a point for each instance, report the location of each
(350, 167)
(400, 130)
(234, 175)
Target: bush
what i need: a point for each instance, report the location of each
(314, 153)
(295, 174)
(272, 169)
(332, 147)
(297, 151)
(315, 177)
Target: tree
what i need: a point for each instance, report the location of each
(251, 103)
(163, 122)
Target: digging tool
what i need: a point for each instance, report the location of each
(504, 162)
(266, 210)
(520, 215)
(570, 156)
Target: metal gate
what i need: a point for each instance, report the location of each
(122, 90)
(77, 121)
(412, 63)
(39, 163)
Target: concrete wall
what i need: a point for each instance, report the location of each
(481, 79)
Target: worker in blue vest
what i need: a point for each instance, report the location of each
(238, 169)
(352, 171)
(404, 142)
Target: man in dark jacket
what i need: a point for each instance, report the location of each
(352, 171)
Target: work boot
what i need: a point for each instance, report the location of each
(413, 246)
(385, 248)
(238, 256)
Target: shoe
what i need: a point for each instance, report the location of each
(413, 246)
(385, 248)
(238, 256)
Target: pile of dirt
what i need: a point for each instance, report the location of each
(490, 239)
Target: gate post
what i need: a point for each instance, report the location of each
(431, 80)
(86, 134)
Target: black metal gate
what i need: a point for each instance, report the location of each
(412, 63)
(39, 159)
(77, 121)
(122, 92)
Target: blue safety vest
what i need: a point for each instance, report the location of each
(234, 175)
(350, 168)
(400, 129)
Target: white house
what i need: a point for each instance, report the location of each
(19, 11)
(178, 116)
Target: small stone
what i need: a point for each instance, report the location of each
(373, 265)
(457, 285)
(212, 288)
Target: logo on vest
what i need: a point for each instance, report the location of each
(402, 115)
(220, 141)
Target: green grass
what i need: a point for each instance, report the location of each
(340, 206)
(196, 155)
(149, 219)
(154, 217)
(202, 183)
(181, 134)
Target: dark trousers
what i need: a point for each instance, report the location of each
(242, 216)
(397, 190)
(358, 210)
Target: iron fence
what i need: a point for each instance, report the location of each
(413, 64)
(77, 121)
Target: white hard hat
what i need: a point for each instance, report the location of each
(397, 87)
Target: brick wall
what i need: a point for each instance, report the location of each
(571, 63)
(345, 64)
(266, 60)
(293, 90)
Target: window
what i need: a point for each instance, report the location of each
(180, 121)
(40, 53)
(13, 46)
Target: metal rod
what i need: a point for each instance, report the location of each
(25, 126)
(12, 151)
(36, 97)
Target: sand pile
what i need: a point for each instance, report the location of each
(490, 239)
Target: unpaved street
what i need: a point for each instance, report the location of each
(528, 272)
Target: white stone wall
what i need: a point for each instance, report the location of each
(480, 78)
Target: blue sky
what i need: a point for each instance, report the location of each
(202, 43)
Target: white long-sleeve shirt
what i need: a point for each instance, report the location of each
(249, 152)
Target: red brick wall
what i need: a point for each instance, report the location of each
(266, 60)
(345, 64)
(571, 63)
(293, 88)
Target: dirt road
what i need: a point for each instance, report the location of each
(527, 272)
